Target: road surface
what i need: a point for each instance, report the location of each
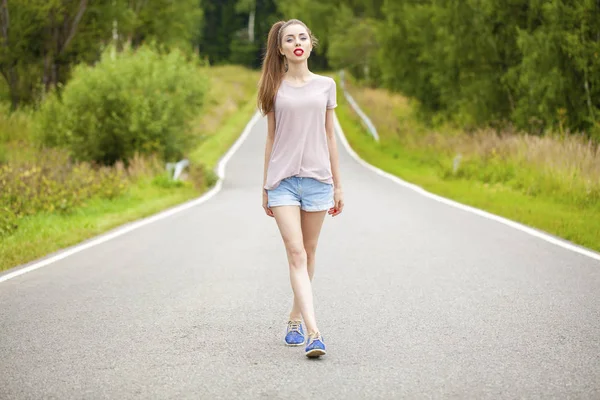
(415, 299)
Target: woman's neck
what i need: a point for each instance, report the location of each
(298, 72)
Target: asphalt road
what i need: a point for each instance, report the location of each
(415, 299)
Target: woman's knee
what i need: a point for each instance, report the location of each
(297, 255)
(311, 250)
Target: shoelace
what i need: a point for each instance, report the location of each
(313, 337)
(294, 326)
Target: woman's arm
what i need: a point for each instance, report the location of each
(335, 164)
(269, 144)
(268, 149)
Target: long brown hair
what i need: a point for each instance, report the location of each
(274, 65)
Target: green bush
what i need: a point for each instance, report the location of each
(244, 53)
(201, 176)
(8, 221)
(15, 126)
(165, 181)
(52, 183)
(139, 101)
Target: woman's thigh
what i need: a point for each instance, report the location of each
(311, 221)
(290, 226)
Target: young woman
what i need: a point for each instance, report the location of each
(301, 173)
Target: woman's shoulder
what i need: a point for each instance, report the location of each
(323, 78)
(324, 81)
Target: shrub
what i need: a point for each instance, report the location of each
(201, 176)
(3, 155)
(52, 183)
(15, 126)
(8, 221)
(141, 101)
(165, 181)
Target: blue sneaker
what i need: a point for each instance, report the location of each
(315, 346)
(295, 334)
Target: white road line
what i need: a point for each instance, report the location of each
(138, 224)
(463, 207)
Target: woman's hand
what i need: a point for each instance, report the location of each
(265, 203)
(338, 200)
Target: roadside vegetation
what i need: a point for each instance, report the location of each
(550, 182)
(55, 194)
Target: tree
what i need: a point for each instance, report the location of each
(221, 23)
(406, 57)
(20, 23)
(63, 23)
(248, 43)
(8, 61)
(352, 44)
(41, 40)
(559, 77)
(170, 23)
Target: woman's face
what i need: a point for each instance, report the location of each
(295, 43)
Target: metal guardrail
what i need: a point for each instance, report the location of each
(177, 168)
(368, 123)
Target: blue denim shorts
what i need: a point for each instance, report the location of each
(308, 193)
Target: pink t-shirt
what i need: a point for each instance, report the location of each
(300, 144)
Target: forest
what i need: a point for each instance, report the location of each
(534, 64)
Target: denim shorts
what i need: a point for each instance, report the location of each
(308, 193)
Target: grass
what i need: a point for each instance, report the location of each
(230, 104)
(211, 150)
(551, 183)
(15, 127)
(45, 233)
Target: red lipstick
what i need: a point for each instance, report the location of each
(298, 52)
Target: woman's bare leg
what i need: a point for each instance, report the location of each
(311, 228)
(289, 221)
